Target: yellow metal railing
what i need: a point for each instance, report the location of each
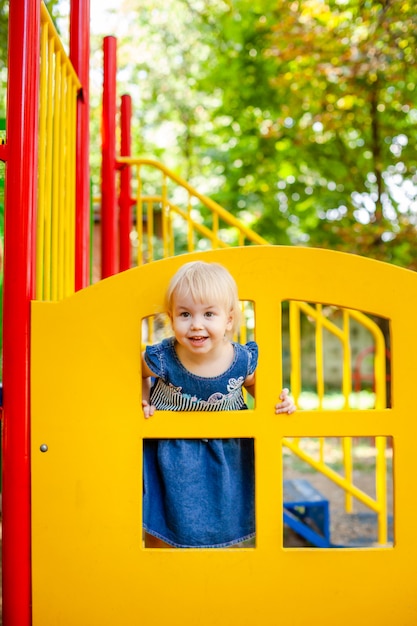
(172, 217)
(59, 84)
(315, 314)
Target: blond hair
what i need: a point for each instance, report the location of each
(206, 282)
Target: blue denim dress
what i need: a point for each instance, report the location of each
(199, 492)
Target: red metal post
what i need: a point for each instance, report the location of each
(80, 57)
(109, 264)
(125, 200)
(19, 263)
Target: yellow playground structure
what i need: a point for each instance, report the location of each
(74, 553)
(87, 434)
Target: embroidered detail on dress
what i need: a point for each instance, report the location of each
(215, 397)
(168, 397)
(235, 383)
(174, 388)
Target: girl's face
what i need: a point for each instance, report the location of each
(199, 327)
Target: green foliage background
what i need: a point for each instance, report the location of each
(299, 117)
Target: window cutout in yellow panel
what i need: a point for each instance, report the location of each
(198, 493)
(154, 329)
(349, 503)
(339, 358)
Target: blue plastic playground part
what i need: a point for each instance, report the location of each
(306, 512)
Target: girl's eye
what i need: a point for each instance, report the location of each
(184, 314)
(209, 314)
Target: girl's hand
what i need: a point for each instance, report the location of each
(148, 409)
(286, 405)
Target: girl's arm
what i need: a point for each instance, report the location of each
(249, 384)
(286, 405)
(148, 409)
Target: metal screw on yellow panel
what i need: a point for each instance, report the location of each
(43, 448)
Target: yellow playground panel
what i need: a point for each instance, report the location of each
(89, 565)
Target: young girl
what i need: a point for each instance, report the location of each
(200, 492)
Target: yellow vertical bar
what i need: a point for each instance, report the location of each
(150, 229)
(71, 194)
(62, 184)
(380, 442)
(346, 389)
(165, 220)
(70, 190)
(381, 488)
(48, 175)
(40, 227)
(320, 369)
(347, 361)
(348, 468)
(295, 350)
(56, 180)
(66, 183)
(319, 356)
(380, 371)
(139, 220)
(73, 182)
(72, 94)
(243, 328)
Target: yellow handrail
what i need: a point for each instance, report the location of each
(170, 209)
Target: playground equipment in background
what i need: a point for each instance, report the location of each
(23, 155)
(360, 377)
(302, 502)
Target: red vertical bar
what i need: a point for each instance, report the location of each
(125, 201)
(108, 171)
(80, 57)
(19, 263)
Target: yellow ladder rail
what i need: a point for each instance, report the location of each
(59, 84)
(170, 210)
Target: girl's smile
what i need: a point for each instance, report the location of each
(197, 340)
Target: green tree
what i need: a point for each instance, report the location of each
(318, 113)
(299, 117)
(349, 72)
(183, 65)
